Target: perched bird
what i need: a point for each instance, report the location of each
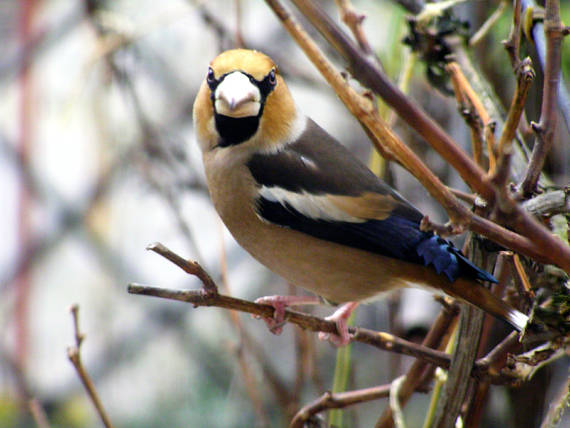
(301, 204)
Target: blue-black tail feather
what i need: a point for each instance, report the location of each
(449, 260)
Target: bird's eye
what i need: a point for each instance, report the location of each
(211, 77)
(272, 79)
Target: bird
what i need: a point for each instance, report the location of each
(305, 207)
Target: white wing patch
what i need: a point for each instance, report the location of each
(315, 207)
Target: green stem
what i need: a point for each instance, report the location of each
(340, 380)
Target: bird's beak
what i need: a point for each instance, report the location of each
(237, 97)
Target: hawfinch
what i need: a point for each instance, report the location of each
(305, 207)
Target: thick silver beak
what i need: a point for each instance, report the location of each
(237, 97)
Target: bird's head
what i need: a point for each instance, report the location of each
(242, 99)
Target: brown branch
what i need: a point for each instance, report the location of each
(470, 198)
(353, 20)
(489, 135)
(339, 400)
(464, 91)
(513, 43)
(239, 41)
(546, 127)
(38, 413)
(424, 353)
(471, 109)
(501, 174)
(188, 266)
(74, 355)
(495, 360)
(380, 340)
(522, 282)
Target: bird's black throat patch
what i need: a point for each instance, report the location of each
(235, 130)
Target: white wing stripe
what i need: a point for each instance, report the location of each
(316, 207)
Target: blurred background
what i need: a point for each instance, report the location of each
(98, 160)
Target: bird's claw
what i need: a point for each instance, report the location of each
(280, 303)
(340, 318)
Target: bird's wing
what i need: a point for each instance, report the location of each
(316, 186)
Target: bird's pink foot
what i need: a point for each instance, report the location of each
(280, 303)
(340, 318)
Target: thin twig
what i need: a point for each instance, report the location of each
(546, 127)
(522, 282)
(537, 35)
(470, 198)
(74, 355)
(513, 43)
(495, 360)
(38, 413)
(471, 108)
(239, 41)
(488, 24)
(190, 267)
(443, 230)
(353, 20)
(501, 174)
(380, 340)
(338, 401)
(489, 135)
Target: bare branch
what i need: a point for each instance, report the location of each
(38, 413)
(74, 355)
(546, 127)
(353, 20)
(501, 174)
(380, 340)
(513, 43)
(338, 401)
(190, 267)
(486, 27)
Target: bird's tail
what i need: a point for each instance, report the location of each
(477, 295)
